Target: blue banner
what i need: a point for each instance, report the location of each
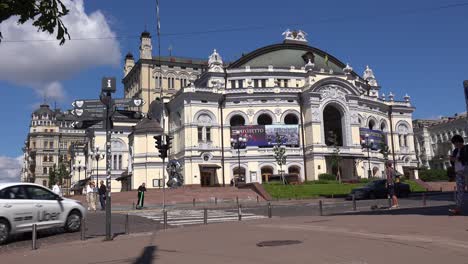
(378, 137)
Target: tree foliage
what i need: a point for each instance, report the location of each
(280, 154)
(46, 15)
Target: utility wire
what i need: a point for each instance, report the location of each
(252, 28)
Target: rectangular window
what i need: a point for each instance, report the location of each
(114, 162)
(256, 83)
(46, 144)
(285, 83)
(241, 83)
(51, 144)
(233, 84)
(51, 159)
(263, 82)
(44, 170)
(181, 83)
(34, 145)
(405, 139)
(44, 159)
(120, 162)
(208, 134)
(200, 133)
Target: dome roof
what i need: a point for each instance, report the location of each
(285, 55)
(148, 126)
(44, 110)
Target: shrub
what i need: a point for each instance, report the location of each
(327, 177)
(433, 175)
(322, 182)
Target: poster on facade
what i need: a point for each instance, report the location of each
(289, 134)
(376, 135)
(262, 136)
(255, 135)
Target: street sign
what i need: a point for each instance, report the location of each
(94, 103)
(88, 114)
(129, 102)
(108, 84)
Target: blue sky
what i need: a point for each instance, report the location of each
(412, 46)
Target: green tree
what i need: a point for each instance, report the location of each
(52, 176)
(46, 15)
(280, 154)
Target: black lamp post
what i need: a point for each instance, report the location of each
(237, 143)
(97, 156)
(79, 167)
(368, 143)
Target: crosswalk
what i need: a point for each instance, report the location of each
(194, 217)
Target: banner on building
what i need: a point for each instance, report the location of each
(377, 136)
(262, 136)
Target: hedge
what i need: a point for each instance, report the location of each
(433, 175)
(327, 177)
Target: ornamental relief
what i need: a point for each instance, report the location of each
(333, 92)
(316, 115)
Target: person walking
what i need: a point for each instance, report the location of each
(102, 195)
(391, 176)
(90, 199)
(460, 159)
(141, 196)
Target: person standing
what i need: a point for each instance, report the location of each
(102, 195)
(56, 189)
(90, 196)
(391, 175)
(460, 159)
(141, 196)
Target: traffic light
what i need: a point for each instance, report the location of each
(158, 144)
(163, 152)
(169, 142)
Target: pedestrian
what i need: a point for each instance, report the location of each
(102, 195)
(90, 196)
(391, 177)
(460, 159)
(141, 196)
(56, 189)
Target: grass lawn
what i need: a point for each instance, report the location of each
(313, 190)
(309, 190)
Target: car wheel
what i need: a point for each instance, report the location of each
(372, 196)
(73, 223)
(4, 231)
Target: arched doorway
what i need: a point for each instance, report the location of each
(239, 174)
(266, 172)
(294, 173)
(332, 126)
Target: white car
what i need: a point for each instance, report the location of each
(25, 204)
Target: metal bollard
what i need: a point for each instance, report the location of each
(424, 199)
(193, 202)
(34, 237)
(126, 225)
(165, 218)
(269, 210)
(239, 211)
(389, 201)
(332, 195)
(257, 199)
(205, 216)
(321, 207)
(133, 205)
(216, 200)
(440, 189)
(83, 228)
(237, 200)
(354, 202)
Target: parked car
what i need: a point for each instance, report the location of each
(377, 189)
(25, 204)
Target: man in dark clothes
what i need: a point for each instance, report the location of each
(141, 195)
(102, 195)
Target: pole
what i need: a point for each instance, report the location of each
(321, 207)
(126, 224)
(83, 228)
(34, 237)
(97, 171)
(238, 157)
(269, 210)
(424, 199)
(354, 202)
(205, 216)
(79, 172)
(165, 218)
(368, 160)
(390, 109)
(164, 184)
(239, 212)
(109, 106)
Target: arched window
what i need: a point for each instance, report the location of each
(403, 131)
(332, 126)
(264, 119)
(383, 126)
(371, 124)
(294, 170)
(291, 119)
(237, 120)
(204, 128)
(266, 172)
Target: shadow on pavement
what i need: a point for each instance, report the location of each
(429, 210)
(147, 256)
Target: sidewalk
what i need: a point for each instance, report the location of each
(330, 239)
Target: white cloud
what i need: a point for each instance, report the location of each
(41, 65)
(53, 91)
(10, 169)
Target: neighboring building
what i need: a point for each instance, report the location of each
(432, 139)
(48, 143)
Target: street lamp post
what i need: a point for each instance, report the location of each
(97, 156)
(79, 167)
(368, 143)
(238, 143)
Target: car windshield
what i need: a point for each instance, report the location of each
(375, 183)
